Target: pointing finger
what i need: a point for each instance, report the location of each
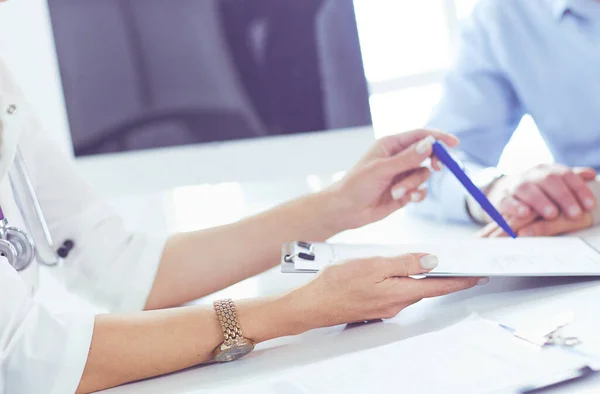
(409, 159)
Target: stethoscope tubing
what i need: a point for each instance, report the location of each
(19, 247)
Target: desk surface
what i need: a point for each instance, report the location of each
(531, 298)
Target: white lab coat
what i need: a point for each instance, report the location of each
(41, 352)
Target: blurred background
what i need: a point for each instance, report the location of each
(154, 94)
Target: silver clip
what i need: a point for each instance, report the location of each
(554, 338)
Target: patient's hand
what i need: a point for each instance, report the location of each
(547, 190)
(536, 226)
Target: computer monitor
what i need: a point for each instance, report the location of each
(143, 74)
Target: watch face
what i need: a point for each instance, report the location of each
(233, 351)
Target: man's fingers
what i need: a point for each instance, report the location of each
(560, 225)
(498, 233)
(585, 173)
(582, 191)
(510, 206)
(515, 224)
(435, 287)
(555, 186)
(487, 230)
(411, 182)
(408, 265)
(532, 195)
(492, 230)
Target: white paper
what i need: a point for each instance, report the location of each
(565, 256)
(473, 356)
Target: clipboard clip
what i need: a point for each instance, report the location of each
(305, 252)
(552, 338)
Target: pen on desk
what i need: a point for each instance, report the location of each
(538, 341)
(442, 154)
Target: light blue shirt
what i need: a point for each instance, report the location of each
(517, 57)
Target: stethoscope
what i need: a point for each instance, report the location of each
(16, 245)
(19, 247)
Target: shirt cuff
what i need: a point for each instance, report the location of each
(137, 280)
(452, 198)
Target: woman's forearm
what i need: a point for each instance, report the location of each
(199, 263)
(130, 347)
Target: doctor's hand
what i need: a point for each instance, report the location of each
(370, 289)
(547, 191)
(386, 179)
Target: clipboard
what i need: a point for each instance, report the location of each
(522, 257)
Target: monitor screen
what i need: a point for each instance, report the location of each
(140, 74)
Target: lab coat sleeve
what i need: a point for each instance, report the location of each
(40, 352)
(109, 265)
(479, 105)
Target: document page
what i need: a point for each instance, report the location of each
(473, 356)
(564, 256)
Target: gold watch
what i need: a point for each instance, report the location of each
(235, 346)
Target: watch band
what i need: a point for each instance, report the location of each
(228, 319)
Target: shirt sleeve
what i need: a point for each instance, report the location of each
(110, 265)
(478, 105)
(40, 352)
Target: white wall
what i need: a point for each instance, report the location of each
(26, 45)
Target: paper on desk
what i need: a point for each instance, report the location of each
(473, 356)
(566, 256)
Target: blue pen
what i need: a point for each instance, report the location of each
(443, 155)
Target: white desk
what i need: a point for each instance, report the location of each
(534, 298)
